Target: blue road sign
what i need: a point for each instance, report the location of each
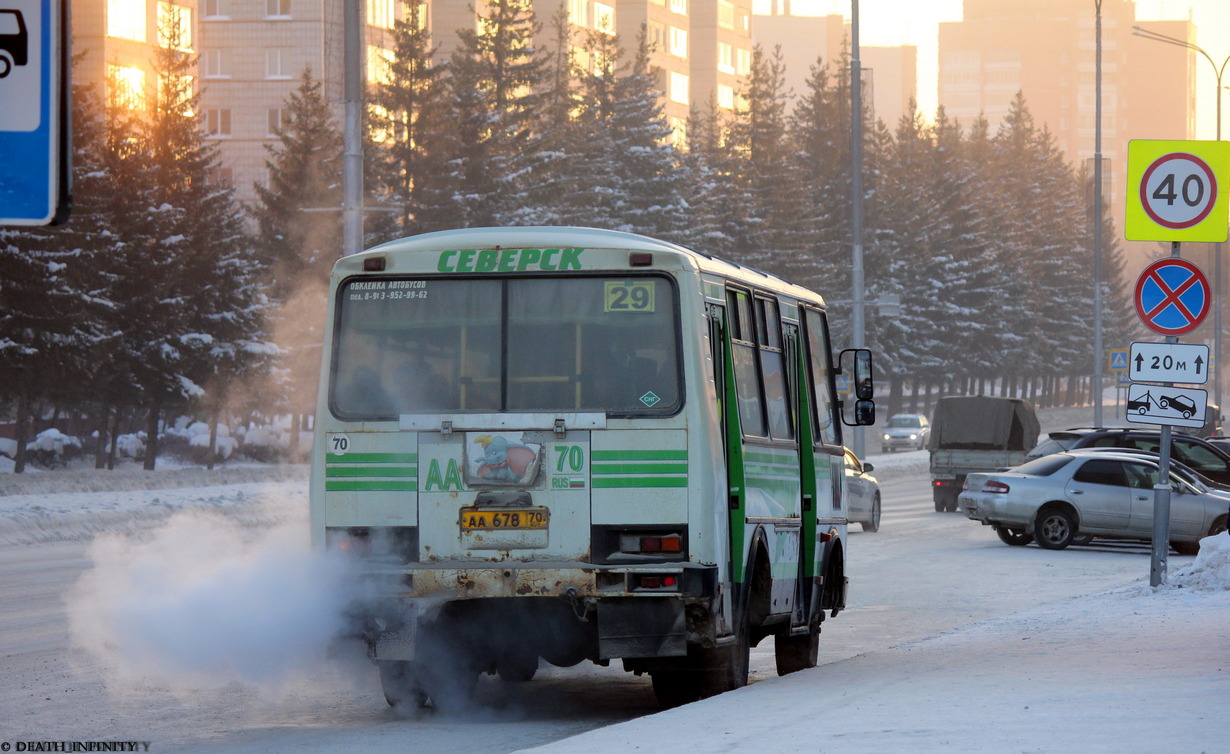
(1172, 296)
(1118, 358)
(33, 167)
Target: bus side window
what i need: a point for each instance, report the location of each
(773, 371)
(743, 356)
(823, 400)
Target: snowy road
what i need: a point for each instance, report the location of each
(923, 574)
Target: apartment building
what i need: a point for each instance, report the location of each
(890, 74)
(1047, 50)
(116, 41)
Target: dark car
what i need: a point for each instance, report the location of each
(1193, 452)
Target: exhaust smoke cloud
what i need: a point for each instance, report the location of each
(203, 602)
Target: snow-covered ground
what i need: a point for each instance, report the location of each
(1132, 670)
(1125, 670)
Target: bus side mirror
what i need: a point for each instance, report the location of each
(858, 361)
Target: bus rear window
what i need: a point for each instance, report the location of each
(433, 345)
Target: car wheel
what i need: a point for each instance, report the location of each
(883, 448)
(1163, 402)
(1218, 527)
(874, 523)
(5, 66)
(1186, 548)
(1054, 528)
(1014, 537)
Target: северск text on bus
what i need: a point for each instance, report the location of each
(571, 444)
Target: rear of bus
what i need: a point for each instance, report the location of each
(518, 446)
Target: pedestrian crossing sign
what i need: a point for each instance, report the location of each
(1118, 358)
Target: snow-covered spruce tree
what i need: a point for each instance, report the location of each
(821, 143)
(299, 239)
(646, 161)
(296, 244)
(405, 122)
(1043, 236)
(53, 296)
(914, 261)
(970, 336)
(714, 212)
(768, 172)
(1005, 353)
(556, 157)
(208, 276)
(493, 75)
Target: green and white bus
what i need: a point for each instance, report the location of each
(572, 444)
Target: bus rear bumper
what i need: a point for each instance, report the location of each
(624, 611)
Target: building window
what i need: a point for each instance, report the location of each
(210, 8)
(679, 132)
(175, 26)
(578, 12)
(277, 7)
(218, 122)
(126, 19)
(743, 62)
(379, 65)
(215, 65)
(679, 88)
(679, 43)
(726, 14)
(726, 96)
(657, 35)
(604, 18)
(726, 58)
(127, 86)
(381, 13)
(274, 121)
(275, 64)
(679, 6)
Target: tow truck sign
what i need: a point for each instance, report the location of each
(1169, 362)
(1160, 404)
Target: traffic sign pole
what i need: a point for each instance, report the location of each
(1161, 493)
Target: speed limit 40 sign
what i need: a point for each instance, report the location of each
(1177, 190)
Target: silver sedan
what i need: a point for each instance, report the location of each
(862, 493)
(1057, 498)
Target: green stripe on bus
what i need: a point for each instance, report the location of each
(372, 458)
(370, 485)
(639, 455)
(625, 482)
(372, 471)
(776, 459)
(599, 469)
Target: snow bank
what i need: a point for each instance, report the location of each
(37, 508)
(1211, 569)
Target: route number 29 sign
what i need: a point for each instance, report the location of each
(1177, 190)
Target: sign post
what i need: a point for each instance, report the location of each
(34, 119)
(1176, 193)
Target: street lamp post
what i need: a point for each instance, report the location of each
(1138, 31)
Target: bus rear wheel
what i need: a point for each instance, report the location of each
(795, 653)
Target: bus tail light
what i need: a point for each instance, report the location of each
(639, 544)
(656, 581)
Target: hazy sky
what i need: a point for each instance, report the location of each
(896, 22)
